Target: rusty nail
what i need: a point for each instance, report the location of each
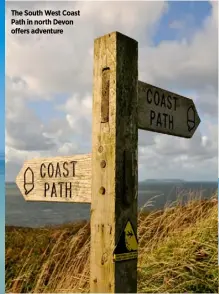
(95, 280)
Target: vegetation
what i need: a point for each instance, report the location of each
(178, 253)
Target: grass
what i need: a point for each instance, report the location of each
(178, 253)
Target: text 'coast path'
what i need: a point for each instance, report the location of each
(165, 112)
(56, 179)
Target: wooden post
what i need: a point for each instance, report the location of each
(114, 166)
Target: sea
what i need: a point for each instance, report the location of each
(151, 195)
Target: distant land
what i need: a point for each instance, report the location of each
(144, 181)
(154, 181)
(164, 180)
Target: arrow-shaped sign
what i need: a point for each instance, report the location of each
(56, 179)
(165, 112)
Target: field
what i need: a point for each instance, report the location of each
(178, 253)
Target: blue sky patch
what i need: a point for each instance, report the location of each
(46, 109)
(182, 20)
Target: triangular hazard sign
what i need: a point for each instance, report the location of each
(128, 245)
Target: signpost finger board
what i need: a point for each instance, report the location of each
(162, 111)
(56, 179)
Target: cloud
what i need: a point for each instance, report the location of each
(40, 68)
(24, 131)
(186, 65)
(49, 68)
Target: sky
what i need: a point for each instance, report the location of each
(49, 83)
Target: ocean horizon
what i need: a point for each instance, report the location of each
(151, 195)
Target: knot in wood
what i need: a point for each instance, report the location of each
(103, 163)
(100, 149)
(102, 190)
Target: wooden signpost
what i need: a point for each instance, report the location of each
(108, 178)
(114, 165)
(162, 111)
(56, 179)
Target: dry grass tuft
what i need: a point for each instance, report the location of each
(177, 253)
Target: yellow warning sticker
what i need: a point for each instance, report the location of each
(128, 245)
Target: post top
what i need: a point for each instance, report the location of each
(116, 34)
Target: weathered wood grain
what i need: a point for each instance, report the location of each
(56, 179)
(114, 161)
(162, 111)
